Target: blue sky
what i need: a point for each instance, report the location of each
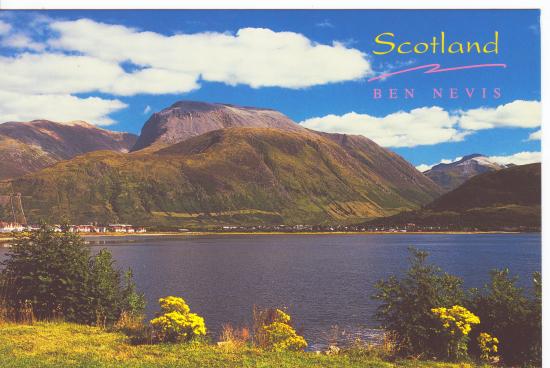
(38, 47)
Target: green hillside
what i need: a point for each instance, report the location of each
(237, 175)
(505, 199)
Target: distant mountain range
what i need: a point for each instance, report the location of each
(30, 146)
(199, 164)
(189, 172)
(509, 198)
(450, 176)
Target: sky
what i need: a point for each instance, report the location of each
(116, 68)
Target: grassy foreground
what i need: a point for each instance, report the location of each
(56, 345)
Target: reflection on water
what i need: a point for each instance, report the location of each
(323, 280)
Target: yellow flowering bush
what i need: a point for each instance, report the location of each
(176, 322)
(457, 323)
(280, 335)
(457, 319)
(488, 345)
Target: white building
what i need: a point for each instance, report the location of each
(8, 227)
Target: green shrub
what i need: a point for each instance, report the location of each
(507, 313)
(406, 304)
(56, 274)
(176, 322)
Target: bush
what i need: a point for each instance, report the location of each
(406, 304)
(414, 309)
(273, 330)
(511, 316)
(488, 346)
(457, 323)
(176, 322)
(56, 274)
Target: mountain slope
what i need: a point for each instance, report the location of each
(236, 175)
(450, 176)
(186, 119)
(506, 199)
(18, 158)
(29, 146)
(517, 185)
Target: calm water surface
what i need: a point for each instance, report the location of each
(323, 280)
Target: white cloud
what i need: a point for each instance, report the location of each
(147, 110)
(535, 136)
(85, 56)
(257, 57)
(520, 158)
(62, 108)
(4, 27)
(22, 41)
(69, 74)
(422, 126)
(519, 113)
(425, 167)
(430, 125)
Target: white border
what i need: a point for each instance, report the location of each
(267, 4)
(355, 4)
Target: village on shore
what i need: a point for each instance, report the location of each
(9, 227)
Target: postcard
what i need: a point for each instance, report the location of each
(274, 188)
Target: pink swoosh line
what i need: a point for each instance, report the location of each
(436, 68)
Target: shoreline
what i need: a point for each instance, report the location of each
(202, 233)
(208, 233)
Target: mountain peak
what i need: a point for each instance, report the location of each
(451, 175)
(195, 106)
(473, 155)
(81, 123)
(201, 106)
(42, 122)
(186, 119)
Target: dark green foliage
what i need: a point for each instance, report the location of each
(504, 309)
(50, 270)
(132, 301)
(406, 304)
(509, 314)
(508, 199)
(56, 273)
(112, 292)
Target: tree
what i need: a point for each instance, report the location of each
(56, 274)
(406, 304)
(51, 271)
(105, 288)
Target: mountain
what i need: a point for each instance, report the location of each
(509, 198)
(450, 176)
(186, 119)
(230, 176)
(29, 146)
